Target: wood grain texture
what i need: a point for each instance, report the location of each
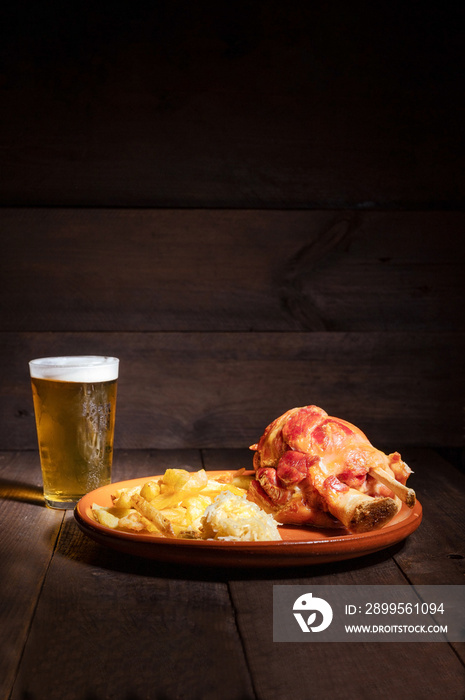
(192, 270)
(438, 555)
(250, 104)
(181, 390)
(111, 621)
(29, 532)
(118, 626)
(340, 670)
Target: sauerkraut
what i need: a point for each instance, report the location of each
(233, 517)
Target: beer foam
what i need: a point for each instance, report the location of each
(82, 368)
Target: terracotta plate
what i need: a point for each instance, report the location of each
(299, 546)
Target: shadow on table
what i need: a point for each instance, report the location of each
(18, 491)
(81, 548)
(165, 570)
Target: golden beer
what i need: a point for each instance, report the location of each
(74, 405)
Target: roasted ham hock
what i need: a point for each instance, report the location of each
(316, 470)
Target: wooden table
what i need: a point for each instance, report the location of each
(80, 621)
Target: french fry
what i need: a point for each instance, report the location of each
(152, 514)
(167, 506)
(122, 497)
(150, 490)
(181, 521)
(191, 486)
(130, 519)
(197, 480)
(177, 516)
(104, 517)
(174, 479)
(195, 508)
(239, 478)
(149, 526)
(213, 488)
(120, 512)
(132, 522)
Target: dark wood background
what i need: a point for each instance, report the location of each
(251, 103)
(255, 205)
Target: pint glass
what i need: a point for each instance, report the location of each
(74, 406)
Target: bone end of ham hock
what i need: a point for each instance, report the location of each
(407, 495)
(372, 515)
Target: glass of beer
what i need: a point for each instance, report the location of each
(74, 406)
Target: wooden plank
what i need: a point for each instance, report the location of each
(257, 105)
(284, 670)
(338, 670)
(191, 270)
(109, 601)
(28, 535)
(132, 464)
(119, 626)
(436, 555)
(180, 390)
